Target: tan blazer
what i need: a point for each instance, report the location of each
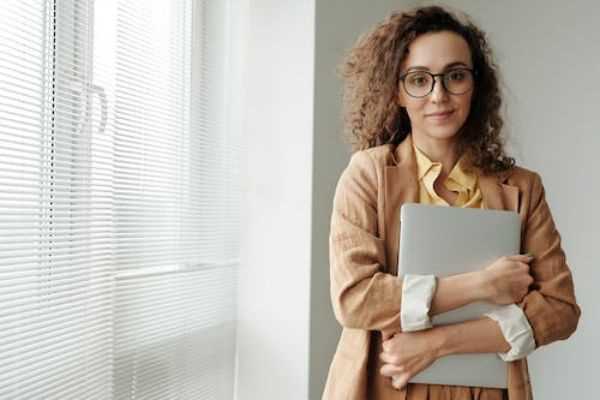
(366, 292)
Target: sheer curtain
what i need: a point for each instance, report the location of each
(119, 200)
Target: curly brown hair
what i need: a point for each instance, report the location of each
(371, 71)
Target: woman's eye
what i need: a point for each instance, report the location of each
(457, 75)
(418, 80)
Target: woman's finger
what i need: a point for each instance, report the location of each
(400, 381)
(385, 345)
(387, 357)
(520, 257)
(391, 370)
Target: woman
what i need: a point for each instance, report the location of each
(422, 104)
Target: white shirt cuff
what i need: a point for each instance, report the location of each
(417, 293)
(516, 330)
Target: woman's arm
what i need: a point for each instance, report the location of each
(505, 281)
(550, 306)
(476, 336)
(407, 354)
(457, 291)
(363, 296)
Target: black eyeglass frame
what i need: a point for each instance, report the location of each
(433, 80)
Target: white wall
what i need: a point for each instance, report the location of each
(274, 276)
(549, 53)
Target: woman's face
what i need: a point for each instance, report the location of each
(437, 52)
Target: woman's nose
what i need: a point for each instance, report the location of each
(439, 93)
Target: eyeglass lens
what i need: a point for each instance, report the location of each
(420, 83)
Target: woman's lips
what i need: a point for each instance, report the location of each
(442, 116)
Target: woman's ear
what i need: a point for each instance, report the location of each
(400, 99)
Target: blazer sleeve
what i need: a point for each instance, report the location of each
(362, 295)
(550, 306)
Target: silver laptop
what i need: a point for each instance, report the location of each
(466, 239)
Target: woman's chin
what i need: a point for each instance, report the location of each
(445, 132)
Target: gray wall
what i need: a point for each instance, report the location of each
(549, 54)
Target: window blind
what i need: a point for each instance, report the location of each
(119, 200)
(56, 267)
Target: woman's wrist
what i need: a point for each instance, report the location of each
(459, 290)
(440, 340)
(445, 339)
(481, 287)
(475, 336)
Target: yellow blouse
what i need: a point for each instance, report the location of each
(458, 180)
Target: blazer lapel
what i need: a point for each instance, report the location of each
(497, 195)
(400, 186)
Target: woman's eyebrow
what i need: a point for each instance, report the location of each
(452, 64)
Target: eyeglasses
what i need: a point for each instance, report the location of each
(421, 83)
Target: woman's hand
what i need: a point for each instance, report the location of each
(507, 280)
(408, 353)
